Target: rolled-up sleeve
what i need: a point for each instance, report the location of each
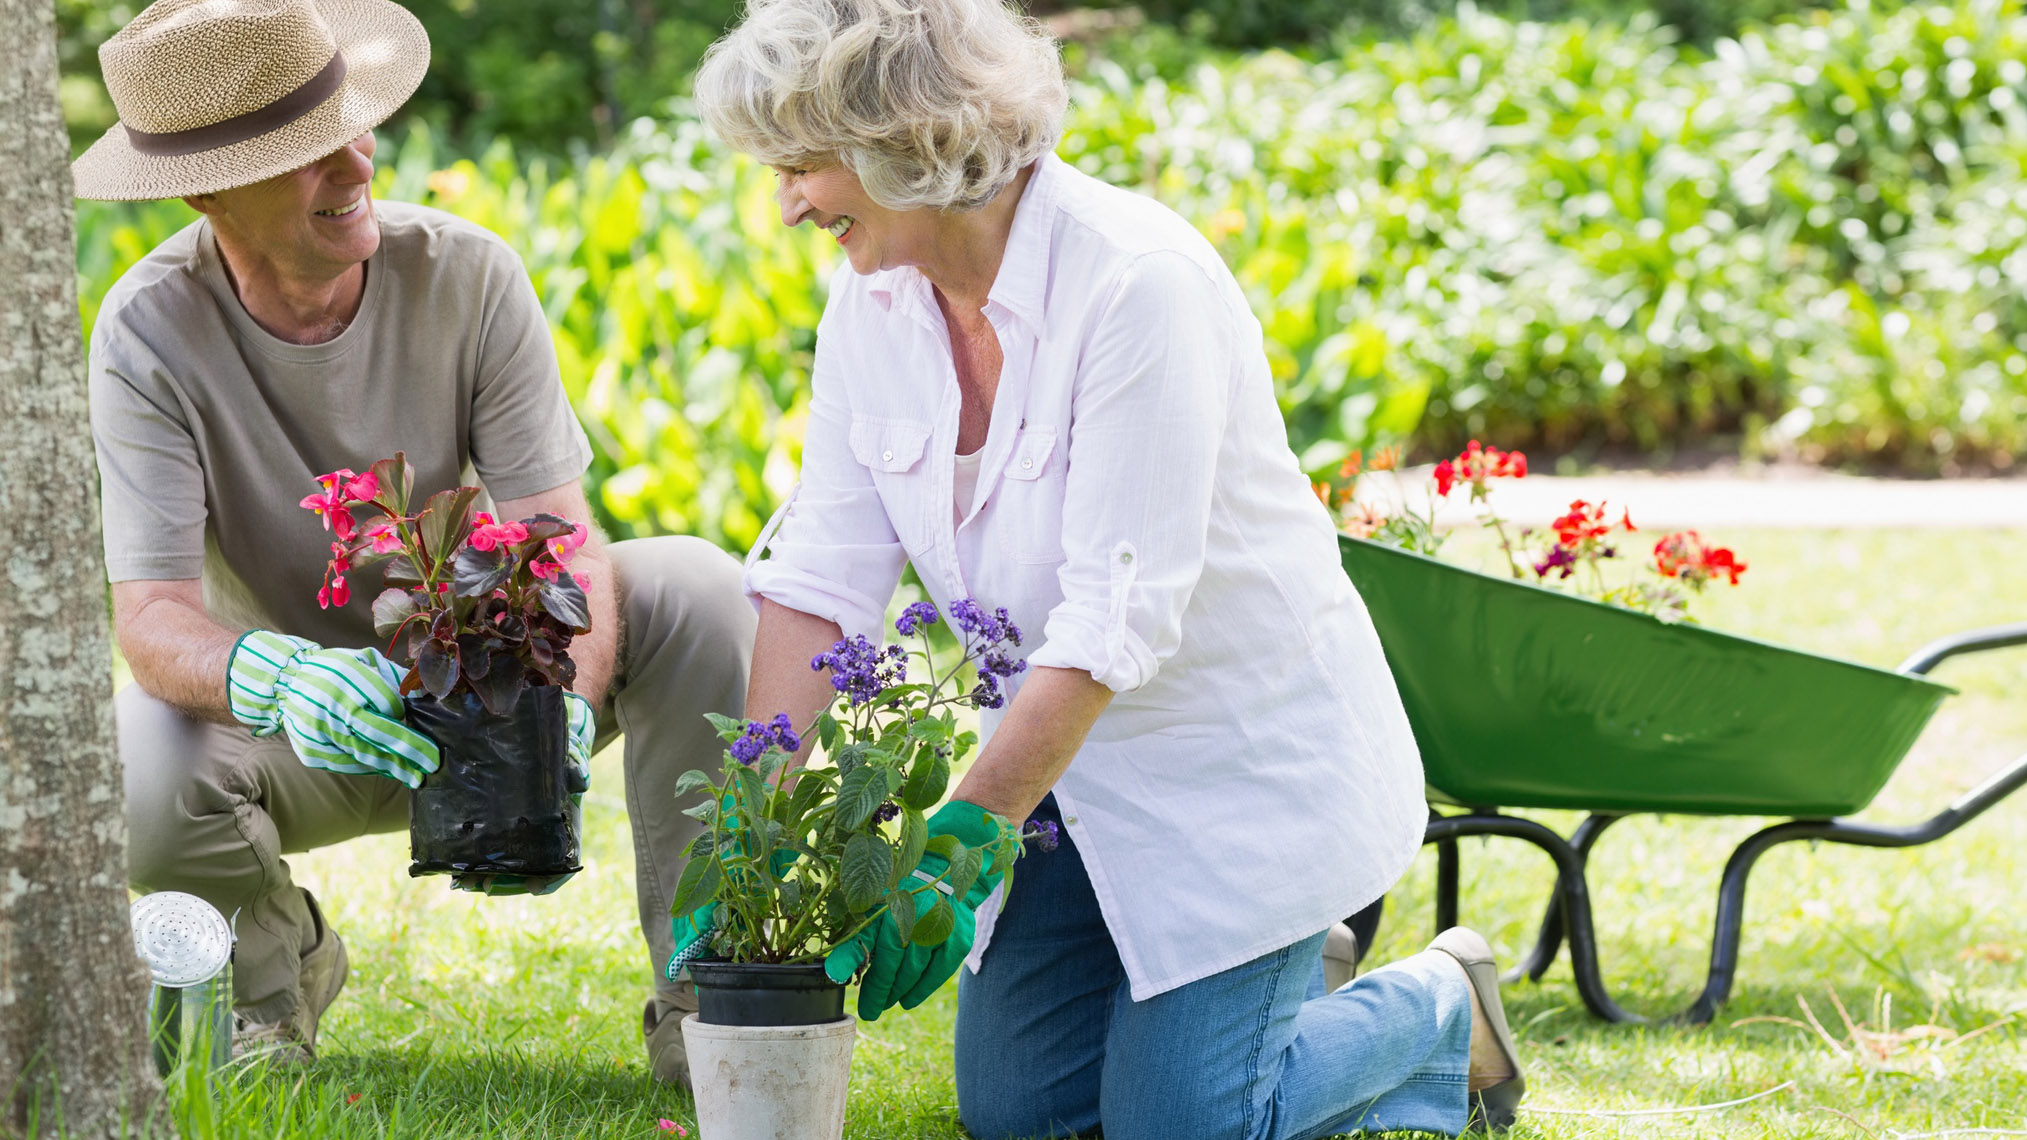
(830, 551)
(1148, 417)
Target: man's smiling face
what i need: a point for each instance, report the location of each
(316, 221)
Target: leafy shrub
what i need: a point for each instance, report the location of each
(1546, 236)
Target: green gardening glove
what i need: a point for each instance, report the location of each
(898, 970)
(583, 734)
(341, 708)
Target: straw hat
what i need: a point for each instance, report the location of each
(214, 94)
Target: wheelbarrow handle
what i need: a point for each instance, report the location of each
(1972, 641)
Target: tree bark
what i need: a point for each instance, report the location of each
(73, 995)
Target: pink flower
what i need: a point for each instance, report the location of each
(330, 505)
(672, 1126)
(583, 583)
(386, 539)
(490, 534)
(340, 561)
(334, 593)
(545, 569)
(563, 547)
(363, 488)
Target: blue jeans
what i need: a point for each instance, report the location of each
(1049, 1042)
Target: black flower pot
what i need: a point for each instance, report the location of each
(766, 994)
(500, 803)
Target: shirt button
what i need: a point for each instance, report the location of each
(887, 455)
(1070, 819)
(1126, 556)
(1027, 463)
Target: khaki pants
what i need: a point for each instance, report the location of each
(211, 810)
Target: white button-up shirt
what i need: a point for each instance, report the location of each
(1140, 515)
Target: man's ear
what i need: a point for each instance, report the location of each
(206, 204)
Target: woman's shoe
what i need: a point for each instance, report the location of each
(1492, 1109)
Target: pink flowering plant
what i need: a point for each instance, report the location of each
(800, 860)
(470, 603)
(1583, 550)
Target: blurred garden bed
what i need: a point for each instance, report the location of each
(1809, 241)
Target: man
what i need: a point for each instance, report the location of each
(297, 328)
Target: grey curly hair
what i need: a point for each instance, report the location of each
(931, 103)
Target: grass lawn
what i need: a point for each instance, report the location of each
(521, 1018)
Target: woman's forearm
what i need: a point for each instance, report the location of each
(1042, 731)
(781, 680)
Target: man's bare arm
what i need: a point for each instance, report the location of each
(596, 653)
(177, 652)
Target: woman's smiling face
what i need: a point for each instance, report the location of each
(872, 236)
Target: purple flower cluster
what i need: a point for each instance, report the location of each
(987, 639)
(1043, 833)
(1559, 557)
(886, 811)
(759, 737)
(920, 615)
(860, 669)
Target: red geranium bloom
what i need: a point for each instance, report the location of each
(1446, 477)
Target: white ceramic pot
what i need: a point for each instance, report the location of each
(772, 1082)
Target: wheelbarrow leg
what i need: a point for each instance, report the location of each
(1570, 887)
(1446, 884)
(1731, 891)
(1549, 943)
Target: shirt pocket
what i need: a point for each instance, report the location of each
(892, 450)
(1031, 497)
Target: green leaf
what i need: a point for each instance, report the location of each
(730, 728)
(446, 520)
(697, 886)
(930, 730)
(933, 929)
(850, 757)
(860, 795)
(391, 610)
(914, 838)
(927, 782)
(901, 905)
(827, 731)
(693, 781)
(397, 483)
(964, 869)
(863, 869)
(702, 812)
(946, 846)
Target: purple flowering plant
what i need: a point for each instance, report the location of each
(800, 860)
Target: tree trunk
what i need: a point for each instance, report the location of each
(73, 995)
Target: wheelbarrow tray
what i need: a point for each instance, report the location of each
(1522, 696)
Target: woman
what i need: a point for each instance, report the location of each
(1048, 394)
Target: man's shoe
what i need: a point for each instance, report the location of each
(662, 1025)
(1492, 1109)
(1340, 957)
(293, 1040)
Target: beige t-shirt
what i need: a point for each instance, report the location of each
(210, 431)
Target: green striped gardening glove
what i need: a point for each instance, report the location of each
(341, 708)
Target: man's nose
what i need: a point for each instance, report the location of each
(353, 162)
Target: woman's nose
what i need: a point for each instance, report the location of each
(793, 205)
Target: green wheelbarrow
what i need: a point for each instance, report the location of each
(1524, 697)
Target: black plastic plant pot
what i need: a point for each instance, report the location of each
(501, 800)
(764, 994)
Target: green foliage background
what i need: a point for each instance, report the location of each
(1812, 238)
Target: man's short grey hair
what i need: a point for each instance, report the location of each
(931, 103)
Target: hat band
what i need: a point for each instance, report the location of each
(239, 128)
